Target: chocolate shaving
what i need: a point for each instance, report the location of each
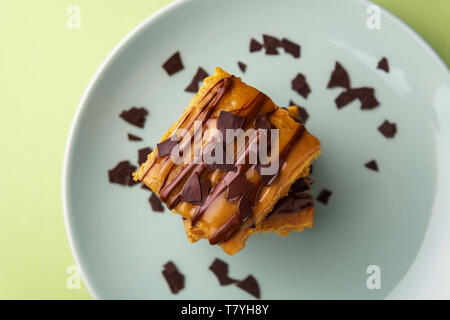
(324, 195)
(198, 77)
(228, 120)
(132, 137)
(173, 64)
(174, 278)
(383, 64)
(291, 47)
(135, 116)
(300, 86)
(372, 165)
(301, 185)
(293, 203)
(271, 44)
(255, 45)
(192, 191)
(156, 203)
(238, 187)
(242, 66)
(250, 285)
(267, 179)
(143, 153)
(388, 129)
(165, 147)
(205, 185)
(245, 208)
(122, 174)
(339, 77)
(220, 269)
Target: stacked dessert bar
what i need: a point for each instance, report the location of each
(227, 201)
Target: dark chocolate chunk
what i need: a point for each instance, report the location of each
(198, 77)
(339, 77)
(135, 116)
(383, 64)
(165, 147)
(271, 44)
(301, 185)
(156, 203)
(372, 165)
(324, 195)
(173, 64)
(369, 102)
(255, 45)
(344, 99)
(132, 137)
(220, 269)
(388, 129)
(242, 66)
(122, 174)
(238, 187)
(300, 86)
(174, 278)
(365, 95)
(291, 47)
(227, 120)
(143, 153)
(192, 191)
(250, 285)
(245, 207)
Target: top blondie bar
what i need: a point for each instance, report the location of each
(226, 202)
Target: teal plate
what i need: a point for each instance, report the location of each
(397, 219)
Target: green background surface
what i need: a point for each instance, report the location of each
(44, 69)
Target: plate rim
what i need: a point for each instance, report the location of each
(104, 64)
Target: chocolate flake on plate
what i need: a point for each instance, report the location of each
(255, 45)
(132, 137)
(324, 195)
(365, 95)
(339, 77)
(220, 269)
(143, 153)
(174, 278)
(238, 187)
(156, 203)
(250, 285)
(271, 44)
(173, 64)
(372, 165)
(300, 86)
(198, 77)
(165, 147)
(135, 116)
(291, 47)
(383, 64)
(122, 174)
(388, 129)
(242, 66)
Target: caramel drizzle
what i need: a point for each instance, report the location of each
(224, 232)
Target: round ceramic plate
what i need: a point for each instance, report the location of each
(396, 219)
